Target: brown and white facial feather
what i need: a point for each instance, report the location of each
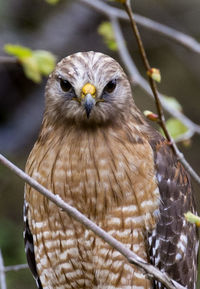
(82, 68)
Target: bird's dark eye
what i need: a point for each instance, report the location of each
(65, 84)
(110, 86)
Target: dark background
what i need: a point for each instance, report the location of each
(63, 29)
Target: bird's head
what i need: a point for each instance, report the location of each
(87, 87)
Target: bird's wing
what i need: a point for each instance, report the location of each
(29, 247)
(173, 244)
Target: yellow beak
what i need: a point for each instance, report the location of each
(88, 95)
(88, 88)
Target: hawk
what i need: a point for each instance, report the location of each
(97, 152)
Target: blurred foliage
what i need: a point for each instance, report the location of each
(11, 228)
(106, 31)
(52, 2)
(175, 127)
(35, 62)
(173, 102)
(194, 219)
(121, 1)
(22, 279)
(19, 51)
(11, 242)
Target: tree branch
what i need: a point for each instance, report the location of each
(137, 78)
(74, 213)
(152, 83)
(15, 267)
(2, 272)
(170, 33)
(8, 59)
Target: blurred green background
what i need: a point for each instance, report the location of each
(68, 27)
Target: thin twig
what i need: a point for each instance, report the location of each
(187, 166)
(15, 267)
(74, 213)
(8, 59)
(170, 33)
(2, 272)
(148, 68)
(174, 147)
(137, 78)
(133, 71)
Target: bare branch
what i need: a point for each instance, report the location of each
(137, 78)
(74, 213)
(133, 71)
(8, 59)
(156, 96)
(2, 272)
(15, 267)
(148, 68)
(170, 33)
(187, 166)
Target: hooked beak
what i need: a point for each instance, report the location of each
(88, 104)
(88, 96)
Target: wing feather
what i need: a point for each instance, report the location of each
(173, 245)
(29, 248)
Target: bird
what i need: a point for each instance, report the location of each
(97, 152)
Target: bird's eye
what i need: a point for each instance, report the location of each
(65, 85)
(110, 86)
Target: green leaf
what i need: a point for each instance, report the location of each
(112, 45)
(172, 102)
(34, 62)
(194, 219)
(106, 31)
(175, 127)
(17, 50)
(52, 2)
(45, 60)
(31, 69)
